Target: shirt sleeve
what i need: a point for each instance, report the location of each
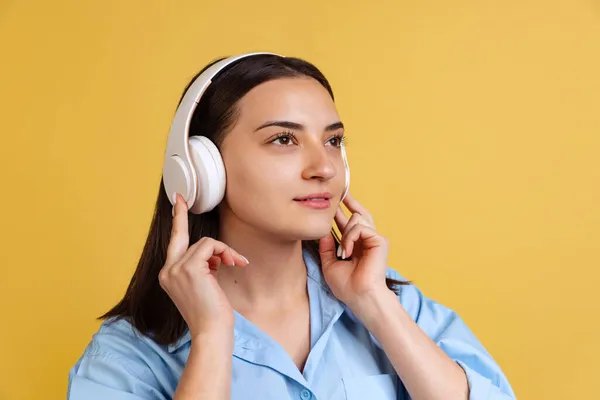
(485, 378)
(109, 370)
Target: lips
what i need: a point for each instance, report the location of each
(315, 201)
(315, 197)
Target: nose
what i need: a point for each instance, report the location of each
(320, 164)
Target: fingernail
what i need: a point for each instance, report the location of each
(245, 259)
(339, 251)
(343, 254)
(173, 211)
(174, 197)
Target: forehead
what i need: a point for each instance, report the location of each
(298, 99)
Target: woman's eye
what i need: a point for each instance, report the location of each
(284, 139)
(336, 141)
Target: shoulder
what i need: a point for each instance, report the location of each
(432, 316)
(117, 342)
(118, 336)
(447, 329)
(119, 361)
(410, 295)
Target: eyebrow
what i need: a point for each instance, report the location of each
(296, 126)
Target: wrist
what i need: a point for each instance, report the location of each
(219, 337)
(373, 307)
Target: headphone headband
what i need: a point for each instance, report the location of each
(178, 161)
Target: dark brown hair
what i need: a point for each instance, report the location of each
(145, 304)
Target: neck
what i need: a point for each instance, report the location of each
(276, 276)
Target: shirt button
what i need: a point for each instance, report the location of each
(305, 394)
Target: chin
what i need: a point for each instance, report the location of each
(312, 232)
(301, 226)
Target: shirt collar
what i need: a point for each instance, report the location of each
(313, 271)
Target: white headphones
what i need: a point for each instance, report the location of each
(193, 166)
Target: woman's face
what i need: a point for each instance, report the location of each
(285, 145)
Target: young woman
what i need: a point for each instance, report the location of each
(256, 297)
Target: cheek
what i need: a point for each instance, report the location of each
(260, 183)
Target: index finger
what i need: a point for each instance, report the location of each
(180, 238)
(340, 219)
(355, 207)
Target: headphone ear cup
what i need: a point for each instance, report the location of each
(347, 172)
(210, 172)
(347, 187)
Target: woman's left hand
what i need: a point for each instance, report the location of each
(364, 253)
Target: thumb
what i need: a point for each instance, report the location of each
(327, 250)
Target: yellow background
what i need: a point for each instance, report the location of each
(473, 137)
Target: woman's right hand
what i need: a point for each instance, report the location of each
(189, 276)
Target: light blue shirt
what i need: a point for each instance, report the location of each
(345, 361)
